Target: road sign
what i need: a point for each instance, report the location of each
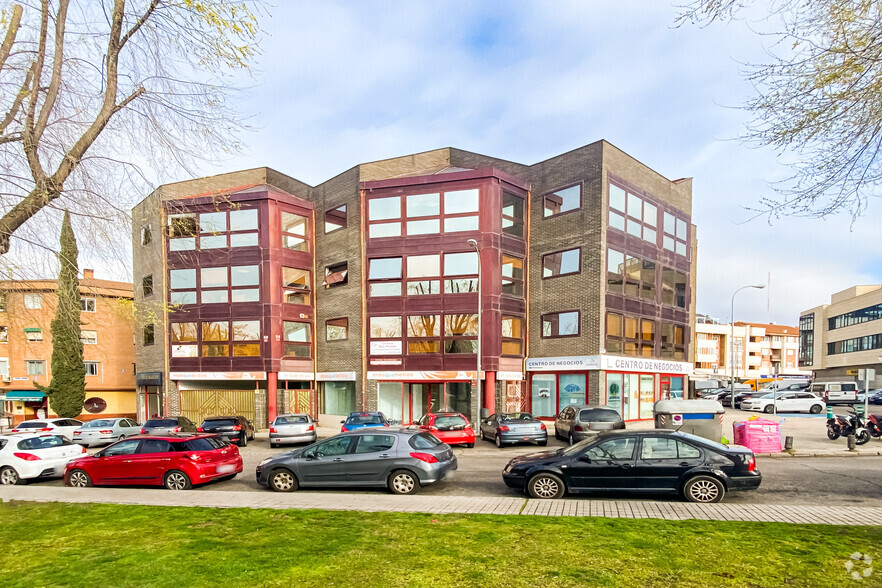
(851, 372)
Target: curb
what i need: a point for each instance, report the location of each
(822, 453)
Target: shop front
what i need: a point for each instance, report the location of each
(150, 401)
(207, 394)
(631, 386)
(23, 405)
(338, 396)
(404, 397)
(295, 393)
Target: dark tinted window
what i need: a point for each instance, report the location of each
(450, 423)
(219, 422)
(127, 447)
(43, 442)
(291, 420)
(374, 443)
(621, 448)
(365, 419)
(161, 423)
(424, 441)
(155, 446)
(3, 443)
(99, 424)
(200, 445)
(599, 415)
(217, 442)
(31, 425)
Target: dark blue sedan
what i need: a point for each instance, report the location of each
(360, 420)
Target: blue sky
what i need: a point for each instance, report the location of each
(347, 82)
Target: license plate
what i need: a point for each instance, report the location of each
(526, 438)
(225, 469)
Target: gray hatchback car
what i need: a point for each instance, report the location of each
(575, 423)
(401, 460)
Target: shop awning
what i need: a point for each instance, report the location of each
(25, 395)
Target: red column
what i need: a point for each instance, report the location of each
(272, 381)
(490, 391)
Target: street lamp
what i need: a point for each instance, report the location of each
(474, 245)
(732, 345)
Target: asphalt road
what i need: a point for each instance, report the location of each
(839, 481)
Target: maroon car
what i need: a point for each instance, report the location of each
(174, 461)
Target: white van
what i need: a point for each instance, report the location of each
(833, 392)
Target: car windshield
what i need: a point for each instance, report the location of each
(99, 423)
(160, 423)
(516, 416)
(218, 422)
(291, 420)
(578, 447)
(599, 415)
(32, 425)
(365, 419)
(450, 423)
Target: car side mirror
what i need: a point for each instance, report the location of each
(585, 458)
(342, 422)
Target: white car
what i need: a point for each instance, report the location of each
(785, 402)
(35, 455)
(64, 427)
(103, 431)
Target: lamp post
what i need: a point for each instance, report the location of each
(474, 245)
(732, 345)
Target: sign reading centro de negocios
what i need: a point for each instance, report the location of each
(608, 363)
(551, 364)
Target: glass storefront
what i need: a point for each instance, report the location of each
(406, 402)
(614, 392)
(572, 390)
(544, 395)
(339, 397)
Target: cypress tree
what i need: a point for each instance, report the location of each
(67, 390)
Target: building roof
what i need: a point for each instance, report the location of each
(91, 286)
(772, 328)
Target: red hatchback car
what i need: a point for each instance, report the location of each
(174, 461)
(452, 428)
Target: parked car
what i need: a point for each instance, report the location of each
(656, 461)
(235, 429)
(166, 425)
(402, 460)
(360, 420)
(576, 423)
(452, 428)
(29, 456)
(103, 431)
(513, 427)
(785, 402)
(64, 427)
(174, 461)
(835, 392)
(875, 396)
(292, 428)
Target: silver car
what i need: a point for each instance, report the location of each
(401, 460)
(292, 428)
(103, 431)
(576, 423)
(166, 425)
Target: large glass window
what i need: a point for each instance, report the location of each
(183, 332)
(385, 327)
(512, 275)
(512, 214)
(512, 335)
(339, 397)
(385, 268)
(295, 231)
(297, 339)
(458, 264)
(213, 222)
(384, 208)
(295, 285)
(379, 230)
(420, 266)
(561, 263)
(564, 200)
(560, 324)
(213, 277)
(461, 201)
(182, 279)
(544, 395)
(337, 329)
(572, 389)
(423, 205)
(216, 331)
(675, 234)
(424, 325)
(243, 220)
(245, 275)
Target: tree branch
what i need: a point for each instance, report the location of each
(11, 33)
(55, 81)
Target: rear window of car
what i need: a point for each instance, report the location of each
(450, 423)
(161, 423)
(43, 442)
(599, 415)
(516, 416)
(203, 444)
(219, 422)
(291, 420)
(424, 441)
(32, 425)
(365, 419)
(99, 423)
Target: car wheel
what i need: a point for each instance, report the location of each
(9, 477)
(769, 409)
(816, 408)
(546, 486)
(177, 480)
(283, 480)
(571, 440)
(403, 482)
(543, 443)
(243, 440)
(481, 435)
(705, 489)
(498, 440)
(556, 436)
(862, 437)
(79, 479)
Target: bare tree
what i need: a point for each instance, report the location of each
(99, 98)
(818, 99)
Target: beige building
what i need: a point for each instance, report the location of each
(839, 338)
(757, 350)
(27, 308)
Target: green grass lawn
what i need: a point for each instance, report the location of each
(111, 545)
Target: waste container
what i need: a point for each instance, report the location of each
(700, 417)
(759, 435)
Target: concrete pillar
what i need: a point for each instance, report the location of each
(489, 391)
(272, 382)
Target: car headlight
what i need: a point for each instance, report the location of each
(264, 462)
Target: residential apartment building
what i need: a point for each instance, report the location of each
(838, 339)
(574, 277)
(27, 308)
(749, 350)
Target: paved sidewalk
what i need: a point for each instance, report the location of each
(498, 505)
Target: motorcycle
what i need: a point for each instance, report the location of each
(843, 426)
(874, 425)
